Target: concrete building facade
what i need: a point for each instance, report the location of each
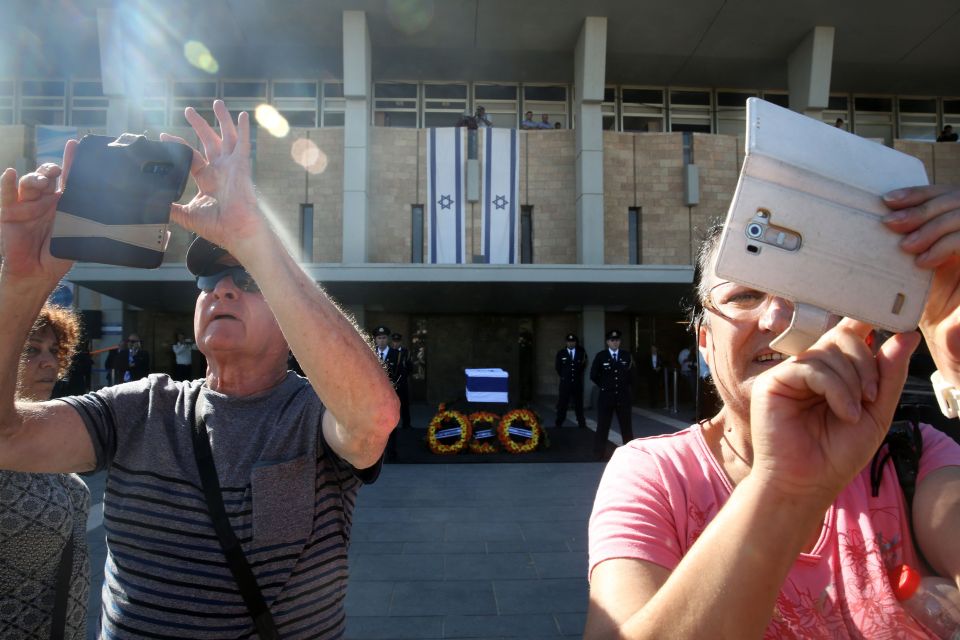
(649, 99)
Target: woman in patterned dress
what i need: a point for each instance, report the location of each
(44, 566)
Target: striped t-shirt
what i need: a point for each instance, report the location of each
(289, 498)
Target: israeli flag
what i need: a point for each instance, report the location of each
(50, 142)
(446, 191)
(500, 177)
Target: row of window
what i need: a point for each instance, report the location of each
(315, 103)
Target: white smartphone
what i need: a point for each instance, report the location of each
(805, 221)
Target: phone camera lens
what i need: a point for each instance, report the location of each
(754, 230)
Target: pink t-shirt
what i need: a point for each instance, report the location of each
(658, 494)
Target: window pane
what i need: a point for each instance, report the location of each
(445, 91)
(693, 98)
(495, 92)
(779, 99)
(334, 119)
(395, 90)
(733, 98)
(610, 94)
(868, 103)
(918, 105)
(233, 89)
(837, 103)
(195, 89)
(642, 124)
(42, 88)
(552, 94)
(332, 89)
(300, 118)
(295, 89)
(643, 96)
(87, 90)
(88, 118)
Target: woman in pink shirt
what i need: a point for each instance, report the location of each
(760, 522)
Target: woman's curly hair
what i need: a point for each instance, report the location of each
(65, 323)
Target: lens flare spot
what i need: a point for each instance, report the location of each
(199, 56)
(410, 16)
(309, 156)
(272, 120)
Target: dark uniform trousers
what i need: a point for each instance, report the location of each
(403, 390)
(392, 365)
(613, 379)
(570, 371)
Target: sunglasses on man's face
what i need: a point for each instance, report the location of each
(241, 279)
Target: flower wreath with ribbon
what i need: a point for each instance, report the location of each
(519, 431)
(449, 432)
(484, 437)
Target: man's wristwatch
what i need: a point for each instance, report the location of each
(948, 396)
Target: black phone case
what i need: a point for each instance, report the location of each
(120, 183)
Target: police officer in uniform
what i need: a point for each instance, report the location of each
(570, 364)
(389, 360)
(403, 374)
(611, 373)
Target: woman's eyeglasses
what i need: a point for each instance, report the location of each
(737, 302)
(243, 280)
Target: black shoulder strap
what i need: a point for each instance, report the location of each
(903, 445)
(58, 620)
(237, 562)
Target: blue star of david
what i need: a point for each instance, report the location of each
(500, 202)
(445, 201)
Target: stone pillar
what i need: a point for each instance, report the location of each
(114, 74)
(589, 73)
(808, 72)
(356, 136)
(592, 332)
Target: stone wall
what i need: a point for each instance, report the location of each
(942, 161)
(548, 182)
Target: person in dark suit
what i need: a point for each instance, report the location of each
(390, 361)
(403, 375)
(133, 362)
(611, 373)
(570, 364)
(655, 378)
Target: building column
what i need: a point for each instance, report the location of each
(593, 329)
(356, 135)
(808, 72)
(590, 70)
(117, 79)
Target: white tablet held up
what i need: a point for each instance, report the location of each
(804, 224)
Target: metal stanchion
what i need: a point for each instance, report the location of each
(676, 396)
(666, 389)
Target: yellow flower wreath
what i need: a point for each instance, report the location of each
(441, 429)
(483, 421)
(519, 422)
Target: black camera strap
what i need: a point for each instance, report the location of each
(237, 562)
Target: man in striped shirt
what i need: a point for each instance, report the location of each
(290, 452)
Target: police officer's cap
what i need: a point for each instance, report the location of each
(396, 336)
(381, 331)
(572, 337)
(613, 334)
